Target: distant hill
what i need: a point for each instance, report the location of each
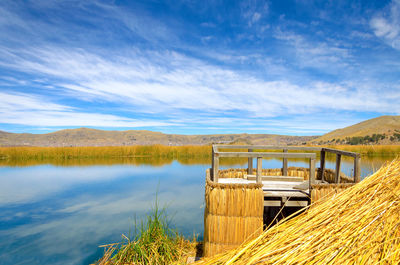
(382, 130)
(93, 137)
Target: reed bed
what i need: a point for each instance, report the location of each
(360, 225)
(370, 150)
(41, 153)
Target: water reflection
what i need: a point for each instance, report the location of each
(59, 212)
(60, 215)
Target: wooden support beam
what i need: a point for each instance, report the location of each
(266, 154)
(215, 167)
(250, 164)
(285, 164)
(269, 147)
(259, 170)
(337, 171)
(312, 171)
(357, 169)
(340, 152)
(322, 165)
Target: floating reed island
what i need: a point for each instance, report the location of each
(360, 225)
(240, 203)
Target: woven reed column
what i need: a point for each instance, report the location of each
(233, 213)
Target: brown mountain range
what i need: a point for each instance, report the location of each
(93, 137)
(387, 127)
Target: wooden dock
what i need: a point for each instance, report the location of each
(283, 186)
(239, 202)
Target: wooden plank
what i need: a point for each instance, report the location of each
(322, 165)
(216, 167)
(291, 203)
(265, 154)
(285, 164)
(259, 170)
(272, 203)
(337, 171)
(312, 171)
(250, 164)
(270, 147)
(357, 169)
(276, 178)
(291, 194)
(340, 152)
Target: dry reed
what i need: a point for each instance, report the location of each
(233, 213)
(40, 153)
(370, 150)
(360, 225)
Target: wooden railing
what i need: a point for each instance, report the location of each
(250, 154)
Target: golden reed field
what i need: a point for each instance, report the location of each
(194, 151)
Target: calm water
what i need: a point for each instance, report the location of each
(52, 214)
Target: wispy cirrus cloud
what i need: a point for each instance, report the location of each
(386, 25)
(168, 81)
(30, 110)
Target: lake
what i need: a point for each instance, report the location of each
(61, 212)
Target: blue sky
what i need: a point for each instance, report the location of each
(198, 67)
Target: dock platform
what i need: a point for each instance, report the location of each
(240, 202)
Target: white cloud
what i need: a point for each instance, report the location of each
(166, 82)
(387, 26)
(26, 109)
(320, 55)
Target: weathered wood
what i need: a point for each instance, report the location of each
(250, 163)
(265, 154)
(322, 165)
(285, 164)
(340, 152)
(312, 171)
(357, 169)
(337, 171)
(215, 167)
(280, 193)
(259, 170)
(276, 178)
(268, 147)
(212, 163)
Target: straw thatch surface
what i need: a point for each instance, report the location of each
(233, 213)
(360, 225)
(329, 174)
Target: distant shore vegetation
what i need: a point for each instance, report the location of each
(375, 138)
(151, 154)
(135, 151)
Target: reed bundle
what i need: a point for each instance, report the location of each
(360, 225)
(233, 213)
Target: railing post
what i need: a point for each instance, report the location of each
(212, 163)
(216, 167)
(337, 172)
(285, 163)
(322, 165)
(259, 170)
(250, 164)
(312, 171)
(357, 166)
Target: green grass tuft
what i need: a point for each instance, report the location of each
(154, 243)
